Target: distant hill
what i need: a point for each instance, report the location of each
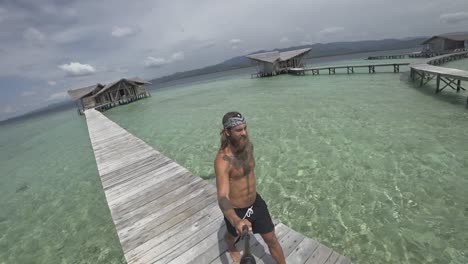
(318, 50)
(64, 105)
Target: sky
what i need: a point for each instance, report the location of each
(50, 46)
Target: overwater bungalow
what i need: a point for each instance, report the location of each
(105, 96)
(275, 62)
(446, 43)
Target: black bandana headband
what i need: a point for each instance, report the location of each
(234, 121)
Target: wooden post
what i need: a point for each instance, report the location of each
(438, 83)
(422, 79)
(458, 85)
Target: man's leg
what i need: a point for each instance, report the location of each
(233, 251)
(274, 246)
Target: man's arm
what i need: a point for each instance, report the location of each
(222, 185)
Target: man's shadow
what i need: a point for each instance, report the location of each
(257, 249)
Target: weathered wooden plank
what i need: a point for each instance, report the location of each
(159, 175)
(343, 260)
(180, 244)
(118, 178)
(151, 195)
(152, 160)
(155, 201)
(320, 255)
(143, 252)
(156, 215)
(214, 239)
(149, 178)
(333, 258)
(121, 198)
(290, 242)
(142, 234)
(303, 251)
(214, 250)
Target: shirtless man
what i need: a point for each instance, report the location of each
(237, 196)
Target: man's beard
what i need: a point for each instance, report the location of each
(241, 146)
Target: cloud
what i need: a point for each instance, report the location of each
(284, 40)
(454, 18)
(74, 34)
(28, 93)
(208, 44)
(52, 83)
(178, 56)
(57, 96)
(7, 109)
(122, 31)
(235, 41)
(152, 62)
(34, 36)
(331, 30)
(77, 69)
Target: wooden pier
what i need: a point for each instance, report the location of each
(427, 70)
(164, 214)
(390, 57)
(349, 68)
(422, 54)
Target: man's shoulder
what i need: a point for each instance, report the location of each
(222, 156)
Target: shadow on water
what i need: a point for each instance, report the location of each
(447, 95)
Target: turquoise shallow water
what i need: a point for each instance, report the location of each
(53, 209)
(368, 164)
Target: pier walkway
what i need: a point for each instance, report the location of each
(428, 69)
(349, 68)
(164, 214)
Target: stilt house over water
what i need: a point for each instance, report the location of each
(102, 97)
(275, 62)
(452, 42)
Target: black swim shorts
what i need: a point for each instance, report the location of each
(260, 217)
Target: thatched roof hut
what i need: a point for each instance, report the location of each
(446, 43)
(101, 97)
(275, 62)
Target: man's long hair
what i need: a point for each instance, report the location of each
(224, 139)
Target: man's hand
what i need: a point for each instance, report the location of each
(240, 224)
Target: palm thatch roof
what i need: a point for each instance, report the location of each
(138, 80)
(450, 36)
(284, 56)
(82, 92)
(266, 56)
(273, 56)
(97, 89)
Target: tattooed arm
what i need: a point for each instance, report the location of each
(222, 184)
(222, 165)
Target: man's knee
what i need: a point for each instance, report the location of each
(270, 239)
